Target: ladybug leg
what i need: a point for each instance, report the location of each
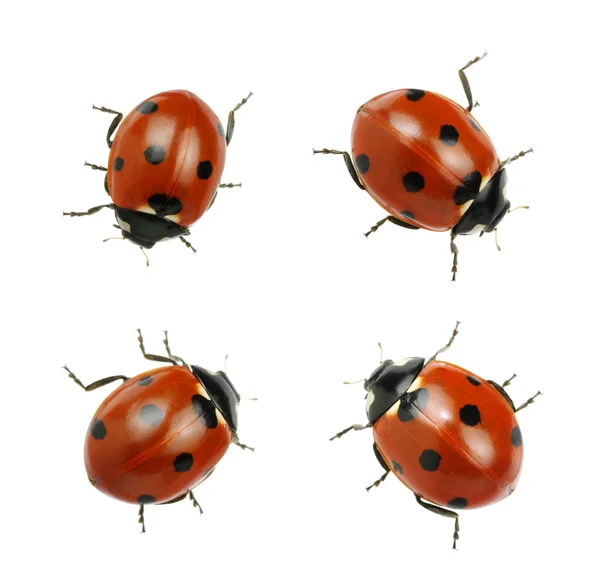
(188, 244)
(113, 125)
(141, 518)
(95, 167)
(231, 118)
(514, 158)
(166, 344)
(465, 81)
(90, 211)
(501, 390)
(446, 346)
(97, 384)
(347, 160)
(99, 168)
(194, 501)
(381, 461)
(230, 185)
(376, 227)
(393, 220)
(454, 251)
(353, 427)
(237, 442)
(528, 402)
(442, 511)
(151, 357)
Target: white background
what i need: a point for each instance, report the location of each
(286, 284)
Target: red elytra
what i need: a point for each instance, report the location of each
(447, 434)
(439, 151)
(429, 163)
(161, 433)
(165, 166)
(155, 437)
(459, 445)
(167, 158)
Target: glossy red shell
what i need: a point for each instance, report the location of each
(148, 440)
(403, 133)
(479, 463)
(171, 144)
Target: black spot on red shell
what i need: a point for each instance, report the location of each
(97, 429)
(463, 194)
(469, 415)
(430, 460)
(151, 414)
(408, 214)
(414, 94)
(183, 462)
(155, 154)
(147, 107)
(449, 135)
(473, 180)
(205, 409)
(362, 163)
(473, 381)
(165, 206)
(118, 163)
(397, 467)
(411, 403)
(145, 381)
(516, 437)
(204, 170)
(458, 503)
(146, 499)
(413, 182)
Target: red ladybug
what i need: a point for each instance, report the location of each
(164, 167)
(428, 163)
(161, 433)
(447, 434)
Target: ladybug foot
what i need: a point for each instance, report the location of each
(194, 501)
(141, 518)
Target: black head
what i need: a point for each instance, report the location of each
(488, 208)
(222, 393)
(388, 383)
(146, 229)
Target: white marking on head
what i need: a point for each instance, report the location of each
(124, 225)
(370, 399)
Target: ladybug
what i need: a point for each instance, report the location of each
(161, 433)
(427, 161)
(447, 434)
(164, 167)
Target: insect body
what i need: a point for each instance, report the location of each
(165, 166)
(161, 433)
(429, 163)
(449, 435)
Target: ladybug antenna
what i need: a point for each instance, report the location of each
(496, 238)
(145, 256)
(354, 382)
(380, 352)
(241, 396)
